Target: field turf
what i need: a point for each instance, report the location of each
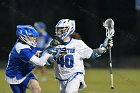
(97, 80)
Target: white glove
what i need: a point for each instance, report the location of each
(57, 53)
(110, 43)
(105, 44)
(102, 49)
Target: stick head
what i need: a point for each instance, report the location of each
(109, 23)
(109, 26)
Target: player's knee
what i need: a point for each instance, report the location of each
(39, 90)
(36, 89)
(34, 86)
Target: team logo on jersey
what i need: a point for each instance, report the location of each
(69, 50)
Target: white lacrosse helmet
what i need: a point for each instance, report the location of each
(64, 28)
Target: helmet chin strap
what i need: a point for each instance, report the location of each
(31, 42)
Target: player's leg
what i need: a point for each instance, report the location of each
(19, 88)
(73, 84)
(15, 88)
(34, 86)
(32, 83)
(43, 72)
(62, 86)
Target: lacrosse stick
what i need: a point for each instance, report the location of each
(109, 26)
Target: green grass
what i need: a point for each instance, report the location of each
(97, 80)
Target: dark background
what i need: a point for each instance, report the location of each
(88, 14)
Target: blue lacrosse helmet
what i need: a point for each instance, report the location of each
(24, 32)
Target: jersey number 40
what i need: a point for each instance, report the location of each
(66, 61)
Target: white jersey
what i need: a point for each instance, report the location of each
(72, 62)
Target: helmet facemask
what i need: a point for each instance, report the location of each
(30, 40)
(61, 31)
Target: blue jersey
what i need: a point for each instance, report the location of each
(18, 64)
(43, 40)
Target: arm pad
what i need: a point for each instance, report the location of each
(40, 61)
(97, 52)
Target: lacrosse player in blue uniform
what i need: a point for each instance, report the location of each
(44, 38)
(69, 69)
(22, 59)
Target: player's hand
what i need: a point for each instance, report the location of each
(102, 49)
(110, 43)
(55, 55)
(61, 53)
(105, 43)
(56, 41)
(38, 53)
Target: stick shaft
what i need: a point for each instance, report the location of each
(110, 64)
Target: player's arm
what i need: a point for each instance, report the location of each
(41, 61)
(102, 49)
(97, 52)
(48, 57)
(28, 55)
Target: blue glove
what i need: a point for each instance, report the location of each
(56, 41)
(55, 54)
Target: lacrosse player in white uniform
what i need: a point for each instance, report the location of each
(69, 68)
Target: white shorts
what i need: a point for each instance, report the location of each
(73, 84)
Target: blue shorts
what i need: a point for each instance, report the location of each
(21, 88)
